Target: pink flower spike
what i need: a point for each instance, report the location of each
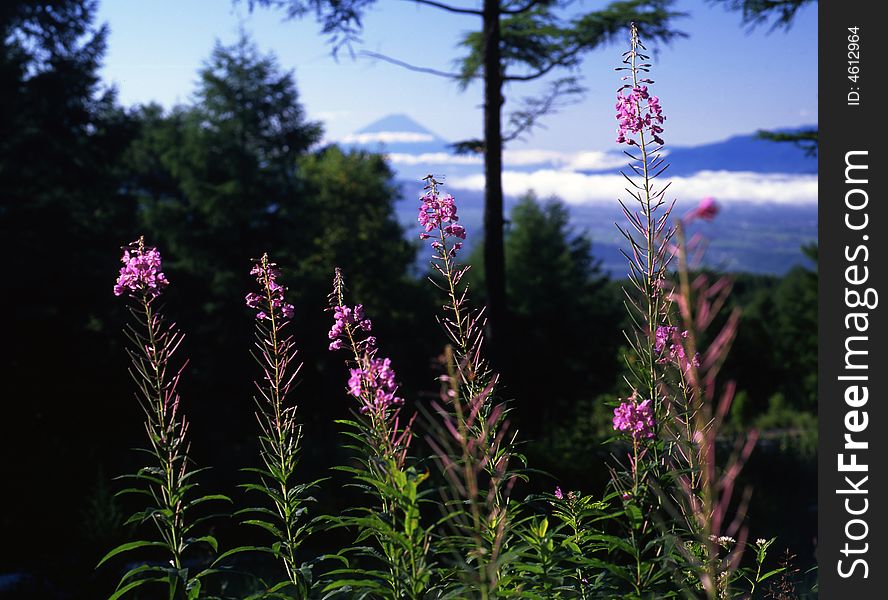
(634, 418)
(141, 271)
(345, 319)
(439, 220)
(269, 302)
(706, 210)
(638, 113)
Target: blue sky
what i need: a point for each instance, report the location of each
(721, 80)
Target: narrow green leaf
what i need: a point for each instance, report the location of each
(130, 546)
(130, 586)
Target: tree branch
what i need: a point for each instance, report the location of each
(560, 45)
(757, 12)
(805, 139)
(561, 93)
(408, 66)
(559, 61)
(468, 147)
(448, 8)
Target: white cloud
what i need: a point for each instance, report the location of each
(387, 137)
(590, 160)
(518, 158)
(437, 158)
(596, 161)
(725, 186)
(521, 158)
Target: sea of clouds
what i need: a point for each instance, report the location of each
(579, 178)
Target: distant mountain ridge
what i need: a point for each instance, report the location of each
(415, 150)
(741, 153)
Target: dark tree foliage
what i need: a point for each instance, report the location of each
(61, 217)
(213, 184)
(805, 139)
(775, 356)
(760, 12)
(224, 168)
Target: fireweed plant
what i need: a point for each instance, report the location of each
(392, 543)
(638, 418)
(581, 547)
(167, 484)
(469, 430)
(677, 500)
(283, 516)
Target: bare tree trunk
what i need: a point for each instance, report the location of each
(494, 259)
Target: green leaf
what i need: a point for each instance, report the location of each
(770, 574)
(130, 546)
(143, 569)
(134, 491)
(279, 586)
(238, 550)
(359, 583)
(573, 546)
(210, 498)
(130, 586)
(194, 589)
(174, 580)
(266, 526)
(207, 539)
(634, 514)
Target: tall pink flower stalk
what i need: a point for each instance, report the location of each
(168, 483)
(372, 381)
(674, 427)
(639, 419)
(641, 118)
(470, 435)
(284, 514)
(154, 344)
(385, 469)
(440, 223)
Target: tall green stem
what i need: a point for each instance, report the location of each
(165, 433)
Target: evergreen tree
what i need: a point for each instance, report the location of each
(217, 181)
(759, 12)
(62, 215)
(776, 350)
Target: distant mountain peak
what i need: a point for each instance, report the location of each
(397, 134)
(398, 123)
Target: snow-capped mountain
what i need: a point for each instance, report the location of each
(397, 134)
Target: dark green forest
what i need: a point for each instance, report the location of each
(237, 171)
